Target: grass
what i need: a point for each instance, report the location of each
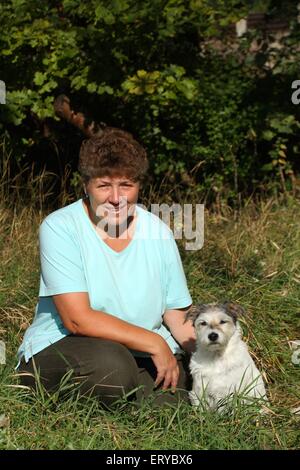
(251, 256)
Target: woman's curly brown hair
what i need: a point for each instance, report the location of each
(113, 153)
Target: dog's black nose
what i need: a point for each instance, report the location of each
(213, 336)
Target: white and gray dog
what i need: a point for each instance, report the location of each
(221, 365)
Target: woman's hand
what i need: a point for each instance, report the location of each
(166, 365)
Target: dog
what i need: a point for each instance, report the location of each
(221, 365)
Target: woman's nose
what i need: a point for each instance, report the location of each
(114, 196)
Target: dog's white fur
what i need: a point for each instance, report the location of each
(222, 367)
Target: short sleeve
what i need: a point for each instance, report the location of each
(178, 295)
(61, 264)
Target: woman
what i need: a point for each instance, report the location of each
(113, 294)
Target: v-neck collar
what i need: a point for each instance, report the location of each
(105, 245)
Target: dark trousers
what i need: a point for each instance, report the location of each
(103, 369)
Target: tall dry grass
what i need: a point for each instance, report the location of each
(251, 256)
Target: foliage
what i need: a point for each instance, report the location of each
(210, 111)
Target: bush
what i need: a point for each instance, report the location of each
(214, 115)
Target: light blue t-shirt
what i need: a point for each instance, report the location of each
(136, 285)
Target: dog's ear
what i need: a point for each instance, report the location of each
(234, 310)
(193, 313)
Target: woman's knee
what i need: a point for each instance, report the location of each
(114, 372)
(48, 371)
(101, 368)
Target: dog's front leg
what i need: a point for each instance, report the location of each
(200, 392)
(194, 399)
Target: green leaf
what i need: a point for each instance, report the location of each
(141, 74)
(268, 135)
(39, 78)
(102, 13)
(92, 87)
(150, 88)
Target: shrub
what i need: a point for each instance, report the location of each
(214, 115)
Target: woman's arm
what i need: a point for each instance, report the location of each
(79, 318)
(183, 332)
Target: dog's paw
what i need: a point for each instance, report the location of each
(193, 398)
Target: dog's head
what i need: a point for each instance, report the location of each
(215, 324)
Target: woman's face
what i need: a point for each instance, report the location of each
(112, 198)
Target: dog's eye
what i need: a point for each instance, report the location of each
(223, 321)
(203, 323)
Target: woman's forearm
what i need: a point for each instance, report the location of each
(102, 325)
(81, 319)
